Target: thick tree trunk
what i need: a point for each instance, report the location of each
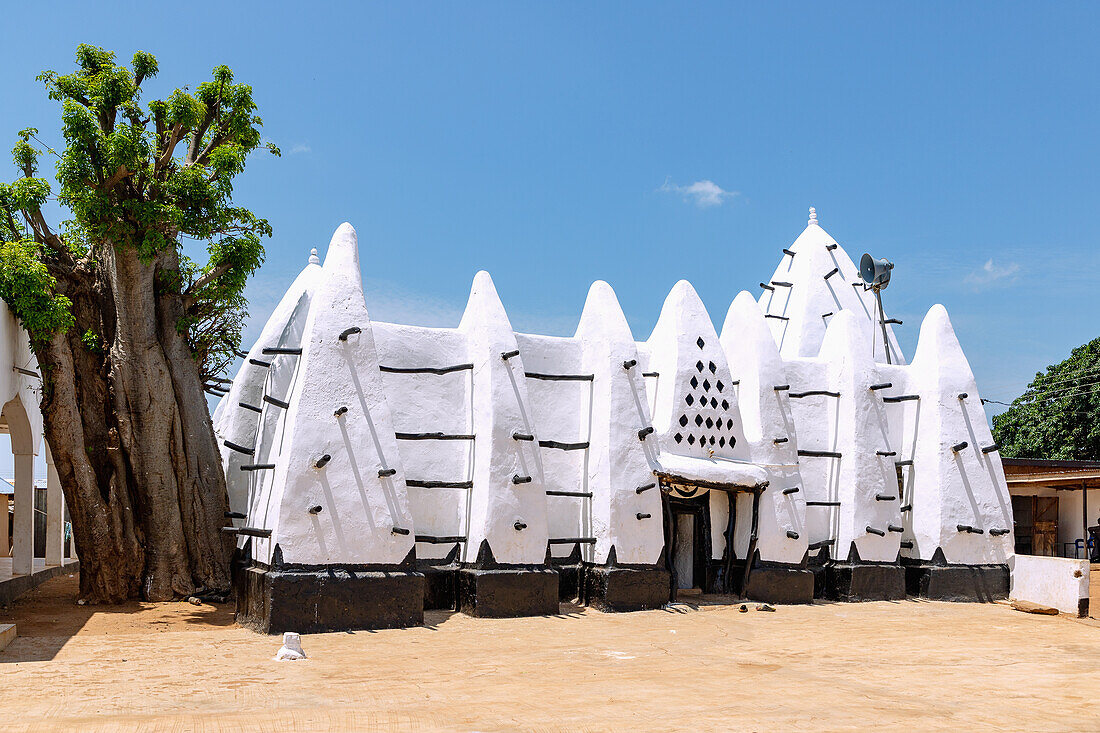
(131, 437)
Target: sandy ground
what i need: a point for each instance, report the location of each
(909, 665)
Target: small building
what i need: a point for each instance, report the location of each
(1054, 504)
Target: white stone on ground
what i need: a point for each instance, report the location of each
(291, 650)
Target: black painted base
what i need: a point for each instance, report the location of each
(505, 592)
(862, 582)
(820, 575)
(780, 584)
(570, 582)
(330, 599)
(626, 589)
(440, 586)
(971, 583)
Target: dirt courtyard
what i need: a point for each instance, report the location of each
(909, 665)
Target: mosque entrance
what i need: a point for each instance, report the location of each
(698, 557)
(687, 535)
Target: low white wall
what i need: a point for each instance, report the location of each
(1051, 581)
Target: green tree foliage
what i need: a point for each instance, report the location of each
(126, 329)
(151, 177)
(1058, 417)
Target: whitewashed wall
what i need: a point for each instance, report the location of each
(1061, 583)
(954, 487)
(828, 333)
(619, 462)
(728, 409)
(359, 508)
(239, 424)
(766, 414)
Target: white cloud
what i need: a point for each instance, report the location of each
(704, 193)
(991, 272)
(300, 148)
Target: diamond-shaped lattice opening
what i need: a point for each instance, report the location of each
(712, 440)
(694, 382)
(700, 342)
(683, 420)
(732, 441)
(691, 439)
(719, 385)
(713, 402)
(725, 405)
(722, 442)
(729, 424)
(712, 368)
(677, 437)
(690, 400)
(706, 385)
(710, 423)
(698, 419)
(699, 365)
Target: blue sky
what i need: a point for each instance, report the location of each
(556, 144)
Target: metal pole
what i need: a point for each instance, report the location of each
(882, 322)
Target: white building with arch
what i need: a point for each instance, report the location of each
(21, 420)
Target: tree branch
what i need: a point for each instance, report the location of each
(40, 230)
(212, 115)
(12, 226)
(202, 282)
(173, 140)
(216, 140)
(121, 173)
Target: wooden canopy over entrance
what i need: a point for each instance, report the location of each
(683, 495)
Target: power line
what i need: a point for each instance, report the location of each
(1064, 395)
(1086, 373)
(1083, 393)
(1049, 391)
(1070, 387)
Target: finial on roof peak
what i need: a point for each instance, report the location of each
(813, 217)
(314, 259)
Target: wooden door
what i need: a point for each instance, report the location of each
(1045, 526)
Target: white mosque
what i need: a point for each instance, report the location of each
(379, 469)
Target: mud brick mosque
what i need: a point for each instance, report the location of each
(377, 470)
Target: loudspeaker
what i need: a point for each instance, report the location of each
(875, 272)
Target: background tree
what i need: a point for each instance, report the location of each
(128, 330)
(1059, 414)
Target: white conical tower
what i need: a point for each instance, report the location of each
(508, 498)
(864, 476)
(237, 416)
(622, 518)
(757, 368)
(960, 499)
(814, 281)
(696, 403)
(332, 498)
(695, 417)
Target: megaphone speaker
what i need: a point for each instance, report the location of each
(875, 271)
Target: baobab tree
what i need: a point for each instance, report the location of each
(127, 329)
